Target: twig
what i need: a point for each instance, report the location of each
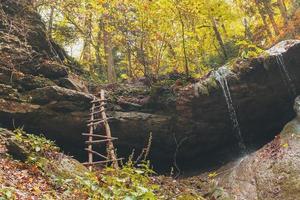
(178, 145)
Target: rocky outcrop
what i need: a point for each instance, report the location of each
(196, 118)
(261, 98)
(38, 90)
(271, 173)
(20, 147)
(187, 121)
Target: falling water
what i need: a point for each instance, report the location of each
(285, 74)
(277, 51)
(221, 76)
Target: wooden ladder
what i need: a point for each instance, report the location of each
(99, 121)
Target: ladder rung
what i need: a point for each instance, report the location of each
(93, 123)
(99, 100)
(95, 135)
(94, 120)
(102, 162)
(96, 112)
(96, 123)
(98, 141)
(94, 152)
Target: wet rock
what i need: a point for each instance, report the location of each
(260, 97)
(272, 172)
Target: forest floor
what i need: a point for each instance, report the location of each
(27, 180)
(19, 180)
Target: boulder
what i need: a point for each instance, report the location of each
(272, 173)
(47, 69)
(51, 162)
(73, 82)
(55, 93)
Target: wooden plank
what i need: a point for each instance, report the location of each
(97, 112)
(90, 146)
(99, 154)
(99, 120)
(95, 123)
(110, 146)
(95, 135)
(98, 107)
(98, 141)
(95, 120)
(99, 100)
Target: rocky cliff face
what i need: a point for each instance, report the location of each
(270, 173)
(37, 86)
(193, 121)
(261, 97)
(39, 91)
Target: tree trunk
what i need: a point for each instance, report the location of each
(199, 49)
(108, 48)
(275, 27)
(248, 33)
(159, 56)
(219, 37)
(283, 11)
(98, 59)
(264, 19)
(86, 51)
(271, 17)
(141, 54)
(224, 30)
(97, 48)
(186, 63)
(129, 68)
(97, 55)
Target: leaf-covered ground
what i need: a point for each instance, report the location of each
(31, 167)
(19, 180)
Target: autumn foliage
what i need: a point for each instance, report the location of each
(117, 40)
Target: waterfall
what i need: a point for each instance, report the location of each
(285, 74)
(277, 51)
(221, 76)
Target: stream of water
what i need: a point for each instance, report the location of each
(221, 76)
(277, 51)
(285, 74)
